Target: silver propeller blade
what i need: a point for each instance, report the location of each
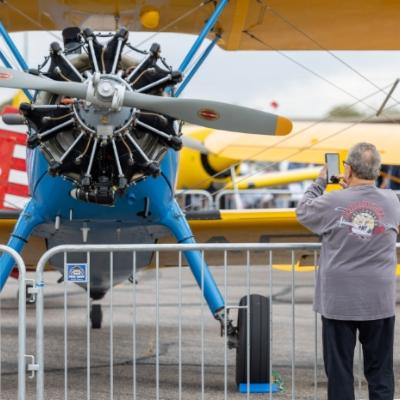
(14, 79)
(211, 114)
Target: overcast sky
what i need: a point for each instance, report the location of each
(255, 79)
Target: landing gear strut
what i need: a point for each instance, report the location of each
(96, 316)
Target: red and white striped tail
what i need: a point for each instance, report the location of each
(14, 192)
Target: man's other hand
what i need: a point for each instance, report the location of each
(323, 172)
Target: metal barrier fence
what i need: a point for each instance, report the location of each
(255, 198)
(247, 263)
(21, 357)
(194, 199)
(202, 200)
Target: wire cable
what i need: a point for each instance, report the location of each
(301, 65)
(318, 44)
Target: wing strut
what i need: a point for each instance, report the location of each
(197, 65)
(196, 45)
(16, 54)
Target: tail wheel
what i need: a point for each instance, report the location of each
(259, 341)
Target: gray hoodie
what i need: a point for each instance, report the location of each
(359, 226)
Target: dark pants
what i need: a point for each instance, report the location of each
(339, 340)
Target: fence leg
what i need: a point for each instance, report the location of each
(27, 221)
(176, 222)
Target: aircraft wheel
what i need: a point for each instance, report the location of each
(96, 316)
(259, 341)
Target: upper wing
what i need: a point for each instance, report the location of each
(245, 24)
(308, 142)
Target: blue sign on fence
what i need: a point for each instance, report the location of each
(77, 273)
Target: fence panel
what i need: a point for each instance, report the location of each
(158, 339)
(13, 356)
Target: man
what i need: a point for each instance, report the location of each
(356, 286)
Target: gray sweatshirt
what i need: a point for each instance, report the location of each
(359, 226)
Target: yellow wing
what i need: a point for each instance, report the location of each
(245, 24)
(308, 142)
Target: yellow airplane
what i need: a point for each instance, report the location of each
(204, 168)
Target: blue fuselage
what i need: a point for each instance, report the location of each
(143, 203)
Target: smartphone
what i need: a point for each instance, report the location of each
(333, 172)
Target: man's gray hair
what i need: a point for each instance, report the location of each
(365, 161)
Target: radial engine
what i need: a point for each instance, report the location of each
(103, 148)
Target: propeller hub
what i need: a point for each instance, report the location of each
(105, 89)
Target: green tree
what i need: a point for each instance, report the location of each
(344, 111)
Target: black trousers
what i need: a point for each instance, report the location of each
(339, 340)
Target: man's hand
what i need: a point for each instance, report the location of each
(323, 172)
(323, 175)
(342, 182)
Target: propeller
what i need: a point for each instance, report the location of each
(211, 114)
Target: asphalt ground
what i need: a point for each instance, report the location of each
(194, 313)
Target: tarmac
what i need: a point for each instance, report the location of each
(297, 383)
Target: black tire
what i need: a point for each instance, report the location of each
(96, 316)
(259, 341)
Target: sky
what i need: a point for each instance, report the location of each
(304, 84)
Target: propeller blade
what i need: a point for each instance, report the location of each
(194, 144)
(212, 114)
(10, 78)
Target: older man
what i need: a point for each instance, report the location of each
(356, 286)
